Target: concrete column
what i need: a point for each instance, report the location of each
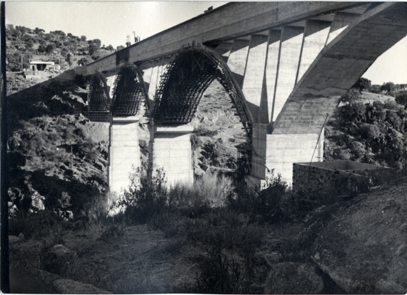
(285, 149)
(159, 73)
(147, 77)
(272, 70)
(259, 153)
(237, 59)
(172, 152)
(153, 82)
(124, 152)
(290, 50)
(315, 35)
(340, 23)
(224, 49)
(254, 74)
(110, 83)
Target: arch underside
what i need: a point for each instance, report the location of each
(98, 98)
(184, 82)
(129, 91)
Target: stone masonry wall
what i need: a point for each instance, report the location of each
(314, 180)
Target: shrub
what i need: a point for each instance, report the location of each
(215, 188)
(401, 98)
(145, 197)
(369, 131)
(223, 274)
(261, 205)
(230, 243)
(43, 224)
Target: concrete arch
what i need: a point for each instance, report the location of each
(129, 91)
(98, 98)
(185, 80)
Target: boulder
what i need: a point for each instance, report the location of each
(12, 239)
(59, 259)
(65, 286)
(364, 248)
(295, 278)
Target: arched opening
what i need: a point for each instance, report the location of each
(185, 81)
(98, 99)
(198, 89)
(129, 92)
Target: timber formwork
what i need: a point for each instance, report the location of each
(129, 91)
(98, 98)
(185, 80)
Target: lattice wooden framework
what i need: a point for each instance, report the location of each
(183, 83)
(129, 91)
(98, 98)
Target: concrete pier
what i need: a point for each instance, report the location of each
(124, 152)
(173, 153)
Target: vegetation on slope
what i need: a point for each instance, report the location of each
(24, 44)
(372, 132)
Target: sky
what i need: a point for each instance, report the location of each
(112, 22)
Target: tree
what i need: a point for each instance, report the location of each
(120, 47)
(73, 46)
(41, 49)
(92, 48)
(64, 52)
(98, 43)
(401, 98)
(362, 84)
(30, 43)
(38, 31)
(50, 48)
(83, 38)
(22, 29)
(375, 88)
(83, 61)
(388, 88)
(69, 59)
(110, 48)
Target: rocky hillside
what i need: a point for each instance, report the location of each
(369, 129)
(24, 44)
(57, 158)
(218, 134)
(64, 49)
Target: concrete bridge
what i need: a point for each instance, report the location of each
(284, 65)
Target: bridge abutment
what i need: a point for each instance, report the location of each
(124, 151)
(275, 154)
(172, 153)
(283, 150)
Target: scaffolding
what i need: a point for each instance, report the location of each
(98, 98)
(129, 91)
(185, 80)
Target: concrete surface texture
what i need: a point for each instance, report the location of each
(173, 154)
(124, 152)
(292, 61)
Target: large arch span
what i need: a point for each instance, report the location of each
(185, 80)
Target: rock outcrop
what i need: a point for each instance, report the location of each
(364, 247)
(291, 277)
(59, 259)
(65, 286)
